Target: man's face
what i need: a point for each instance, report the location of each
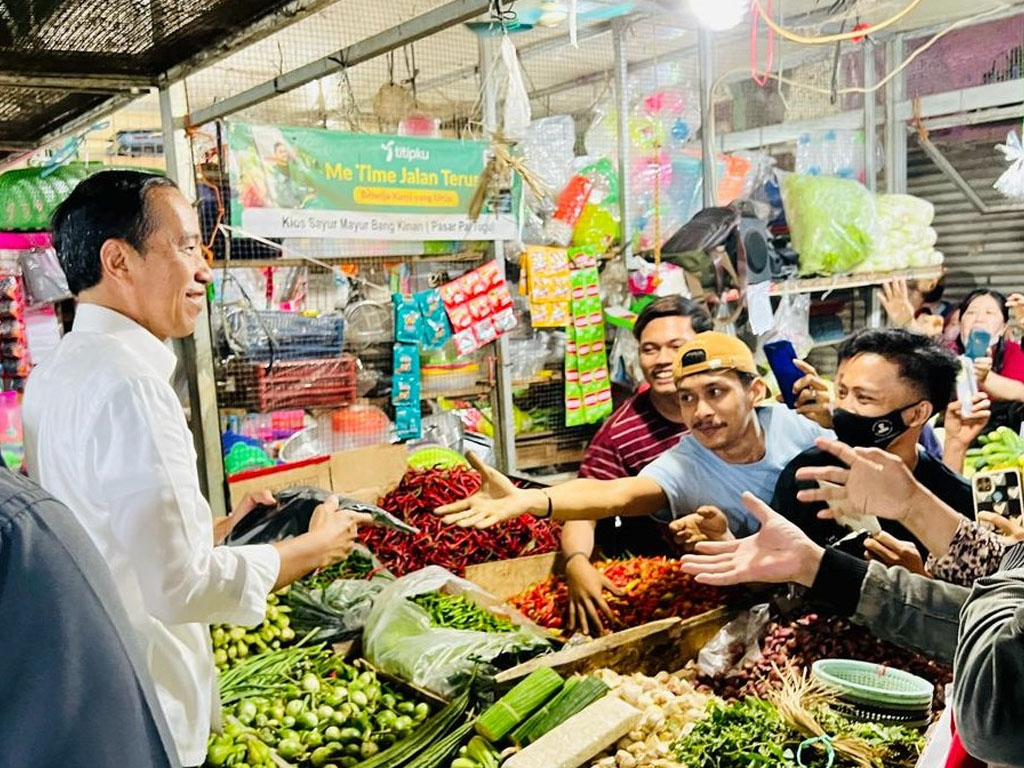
(870, 385)
(659, 347)
(169, 276)
(717, 408)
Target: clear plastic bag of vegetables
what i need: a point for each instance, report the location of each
(832, 222)
(404, 634)
(334, 603)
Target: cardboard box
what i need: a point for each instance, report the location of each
(315, 472)
(365, 474)
(377, 469)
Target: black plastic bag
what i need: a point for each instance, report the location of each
(291, 515)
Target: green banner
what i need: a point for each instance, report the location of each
(304, 182)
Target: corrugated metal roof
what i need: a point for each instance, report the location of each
(981, 250)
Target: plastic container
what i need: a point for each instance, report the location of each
(446, 378)
(359, 425)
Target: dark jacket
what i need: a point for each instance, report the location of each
(76, 689)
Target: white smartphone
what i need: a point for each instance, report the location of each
(966, 385)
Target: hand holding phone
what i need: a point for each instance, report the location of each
(781, 357)
(977, 343)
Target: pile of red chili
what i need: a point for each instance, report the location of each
(449, 546)
(655, 588)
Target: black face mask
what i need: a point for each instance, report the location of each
(869, 431)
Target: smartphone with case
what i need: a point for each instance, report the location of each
(977, 344)
(780, 356)
(999, 492)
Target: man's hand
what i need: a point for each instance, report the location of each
(223, 526)
(586, 598)
(778, 553)
(874, 482)
(497, 500)
(708, 523)
(961, 430)
(896, 300)
(336, 530)
(982, 368)
(1015, 301)
(1004, 526)
(890, 551)
(813, 399)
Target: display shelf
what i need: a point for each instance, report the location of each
(815, 344)
(844, 282)
(545, 449)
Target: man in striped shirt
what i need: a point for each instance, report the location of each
(643, 428)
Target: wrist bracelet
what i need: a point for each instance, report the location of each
(574, 554)
(550, 505)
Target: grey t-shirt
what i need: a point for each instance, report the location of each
(76, 689)
(692, 476)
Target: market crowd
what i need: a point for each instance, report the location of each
(112, 566)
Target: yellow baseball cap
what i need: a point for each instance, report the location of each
(713, 351)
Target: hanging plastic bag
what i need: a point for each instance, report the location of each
(45, 282)
(517, 100)
(736, 644)
(1011, 183)
(792, 322)
(400, 639)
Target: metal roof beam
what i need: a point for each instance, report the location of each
(88, 83)
(449, 15)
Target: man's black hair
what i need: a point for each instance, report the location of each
(674, 306)
(108, 205)
(936, 293)
(930, 368)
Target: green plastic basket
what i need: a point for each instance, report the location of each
(436, 456)
(862, 681)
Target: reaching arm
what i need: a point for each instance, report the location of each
(987, 695)
(581, 499)
(1003, 388)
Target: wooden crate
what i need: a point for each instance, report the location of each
(532, 453)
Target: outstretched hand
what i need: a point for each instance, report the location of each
(497, 500)
(778, 553)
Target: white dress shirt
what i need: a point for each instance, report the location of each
(105, 434)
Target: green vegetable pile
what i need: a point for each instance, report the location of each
(313, 708)
(232, 644)
(1000, 449)
(752, 732)
(459, 612)
(357, 566)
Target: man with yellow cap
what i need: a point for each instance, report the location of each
(735, 445)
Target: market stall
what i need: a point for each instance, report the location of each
(436, 239)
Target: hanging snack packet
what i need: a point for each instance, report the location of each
(407, 319)
(408, 422)
(435, 326)
(407, 359)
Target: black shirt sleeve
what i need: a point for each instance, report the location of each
(839, 581)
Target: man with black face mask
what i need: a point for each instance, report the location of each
(889, 383)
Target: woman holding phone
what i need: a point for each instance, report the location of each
(984, 315)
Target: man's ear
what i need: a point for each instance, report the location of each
(920, 414)
(114, 259)
(758, 390)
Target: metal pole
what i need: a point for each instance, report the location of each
(895, 135)
(195, 353)
(501, 395)
(870, 120)
(622, 131)
(706, 56)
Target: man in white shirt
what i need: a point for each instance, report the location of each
(105, 434)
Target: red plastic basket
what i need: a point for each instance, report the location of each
(289, 384)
